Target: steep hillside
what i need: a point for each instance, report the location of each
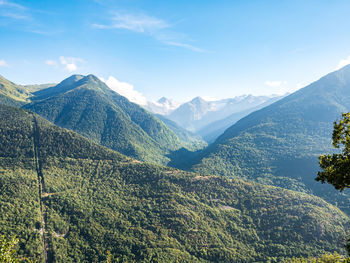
(12, 94)
(86, 105)
(69, 200)
(280, 144)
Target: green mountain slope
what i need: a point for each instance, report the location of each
(69, 200)
(87, 106)
(12, 94)
(280, 144)
(192, 140)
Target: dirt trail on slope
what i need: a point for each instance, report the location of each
(41, 183)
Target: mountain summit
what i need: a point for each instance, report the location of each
(163, 106)
(88, 106)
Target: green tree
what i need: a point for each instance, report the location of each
(7, 250)
(326, 258)
(336, 166)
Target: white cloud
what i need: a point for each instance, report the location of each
(68, 63)
(208, 98)
(343, 63)
(275, 83)
(299, 86)
(51, 63)
(157, 28)
(125, 89)
(3, 63)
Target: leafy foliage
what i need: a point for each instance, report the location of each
(336, 166)
(326, 258)
(7, 250)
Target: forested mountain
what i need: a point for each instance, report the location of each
(280, 143)
(198, 113)
(86, 105)
(70, 200)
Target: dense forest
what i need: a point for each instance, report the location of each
(65, 195)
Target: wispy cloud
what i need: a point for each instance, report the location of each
(3, 63)
(136, 23)
(68, 63)
(157, 28)
(13, 10)
(343, 63)
(187, 46)
(125, 89)
(11, 4)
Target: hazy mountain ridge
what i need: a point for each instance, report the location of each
(194, 141)
(95, 200)
(198, 113)
(213, 130)
(280, 143)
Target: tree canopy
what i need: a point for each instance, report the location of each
(336, 166)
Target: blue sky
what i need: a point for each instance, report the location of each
(178, 49)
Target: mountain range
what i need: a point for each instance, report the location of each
(70, 200)
(280, 143)
(78, 192)
(208, 118)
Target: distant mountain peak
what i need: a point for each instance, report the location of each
(198, 100)
(163, 106)
(163, 100)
